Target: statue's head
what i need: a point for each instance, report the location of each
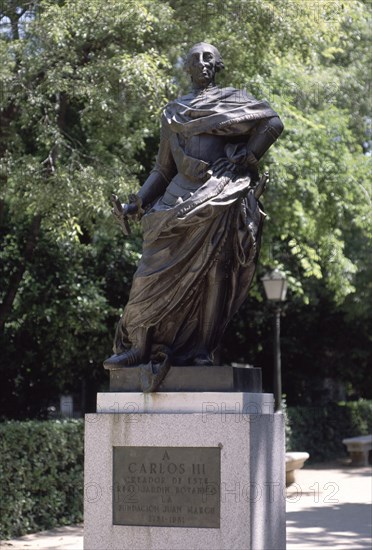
(203, 62)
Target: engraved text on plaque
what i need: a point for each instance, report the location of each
(167, 486)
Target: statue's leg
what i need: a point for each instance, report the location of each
(213, 314)
(129, 350)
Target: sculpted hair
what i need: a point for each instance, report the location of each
(219, 63)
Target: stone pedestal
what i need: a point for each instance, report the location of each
(241, 378)
(183, 470)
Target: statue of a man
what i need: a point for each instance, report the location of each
(202, 222)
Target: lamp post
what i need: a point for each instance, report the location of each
(275, 285)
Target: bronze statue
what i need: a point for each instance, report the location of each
(201, 222)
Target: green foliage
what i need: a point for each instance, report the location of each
(82, 89)
(41, 475)
(63, 316)
(320, 430)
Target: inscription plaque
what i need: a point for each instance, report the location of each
(167, 486)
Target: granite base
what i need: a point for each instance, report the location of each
(252, 470)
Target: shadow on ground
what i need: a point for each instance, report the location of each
(348, 524)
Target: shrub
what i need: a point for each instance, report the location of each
(41, 475)
(320, 430)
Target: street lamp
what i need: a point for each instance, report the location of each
(275, 285)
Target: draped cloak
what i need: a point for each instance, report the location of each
(203, 231)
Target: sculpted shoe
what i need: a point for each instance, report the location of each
(128, 358)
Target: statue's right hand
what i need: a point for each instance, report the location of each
(130, 209)
(122, 210)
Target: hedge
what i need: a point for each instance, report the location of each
(41, 475)
(320, 430)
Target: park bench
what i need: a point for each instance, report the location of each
(293, 462)
(359, 448)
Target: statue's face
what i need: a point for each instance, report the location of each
(202, 65)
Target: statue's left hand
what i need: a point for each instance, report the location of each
(247, 166)
(222, 165)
